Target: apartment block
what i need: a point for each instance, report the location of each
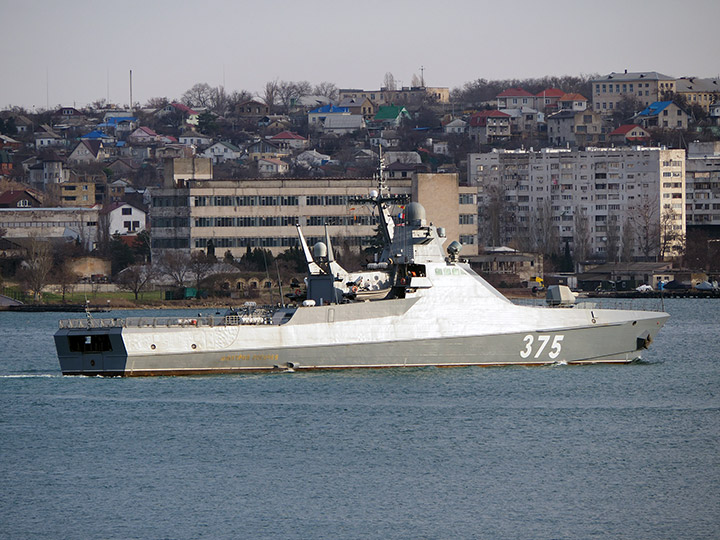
(702, 170)
(646, 86)
(614, 203)
(235, 214)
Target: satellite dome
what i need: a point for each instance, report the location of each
(320, 250)
(415, 212)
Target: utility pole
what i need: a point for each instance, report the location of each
(131, 101)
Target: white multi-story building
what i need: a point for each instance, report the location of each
(615, 203)
(703, 184)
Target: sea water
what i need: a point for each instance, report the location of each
(607, 451)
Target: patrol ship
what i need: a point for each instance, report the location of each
(418, 305)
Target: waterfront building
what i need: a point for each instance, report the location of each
(78, 224)
(614, 203)
(237, 214)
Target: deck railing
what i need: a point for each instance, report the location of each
(258, 317)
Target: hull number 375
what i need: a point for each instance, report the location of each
(535, 348)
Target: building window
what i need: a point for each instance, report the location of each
(127, 211)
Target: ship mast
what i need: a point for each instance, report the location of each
(387, 225)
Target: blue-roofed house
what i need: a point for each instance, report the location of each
(662, 114)
(97, 135)
(316, 117)
(119, 125)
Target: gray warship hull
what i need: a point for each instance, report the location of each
(428, 310)
(397, 339)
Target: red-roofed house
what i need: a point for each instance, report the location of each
(288, 139)
(629, 133)
(143, 135)
(515, 98)
(189, 116)
(573, 102)
(489, 126)
(547, 100)
(19, 198)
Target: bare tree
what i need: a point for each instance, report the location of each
(157, 102)
(270, 94)
(288, 92)
(200, 95)
(219, 101)
(135, 278)
(415, 81)
(237, 97)
(98, 104)
(65, 278)
(582, 236)
(201, 265)
(671, 240)
(327, 89)
(548, 241)
(176, 265)
(389, 82)
(647, 226)
(628, 241)
(36, 269)
(612, 237)
(304, 88)
(493, 214)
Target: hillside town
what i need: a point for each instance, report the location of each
(600, 182)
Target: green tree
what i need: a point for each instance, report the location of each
(8, 127)
(294, 258)
(257, 260)
(121, 255)
(207, 124)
